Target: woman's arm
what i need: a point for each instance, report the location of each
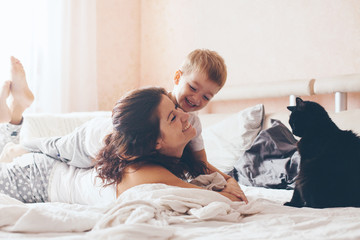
(157, 174)
(232, 185)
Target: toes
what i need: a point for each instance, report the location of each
(16, 64)
(7, 83)
(6, 87)
(14, 59)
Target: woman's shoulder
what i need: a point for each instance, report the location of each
(147, 170)
(149, 173)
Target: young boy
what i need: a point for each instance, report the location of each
(200, 77)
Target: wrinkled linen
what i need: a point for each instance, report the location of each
(275, 221)
(17, 216)
(154, 204)
(161, 205)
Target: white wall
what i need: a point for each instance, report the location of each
(118, 49)
(260, 40)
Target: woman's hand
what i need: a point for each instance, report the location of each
(233, 188)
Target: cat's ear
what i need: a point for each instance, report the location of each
(299, 103)
(291, 108)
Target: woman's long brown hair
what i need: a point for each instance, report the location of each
(136, 128)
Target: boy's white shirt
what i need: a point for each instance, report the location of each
(197, 143)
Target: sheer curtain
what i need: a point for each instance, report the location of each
(56, 41)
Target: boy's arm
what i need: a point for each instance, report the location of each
(232, 185)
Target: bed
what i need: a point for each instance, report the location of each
(156, 211)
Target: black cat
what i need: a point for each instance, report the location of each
(329, 173)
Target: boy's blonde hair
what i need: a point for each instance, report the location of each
(206, 61)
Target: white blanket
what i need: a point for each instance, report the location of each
(273, 222)
(151, 204)
(46, 217)
(161, 205)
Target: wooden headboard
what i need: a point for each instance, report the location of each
(274, 92)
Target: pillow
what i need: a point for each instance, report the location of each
(227, 140)
(272, 160)
(38, 125)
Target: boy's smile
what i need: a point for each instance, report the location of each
(193, 91)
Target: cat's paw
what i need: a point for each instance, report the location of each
(292, 204)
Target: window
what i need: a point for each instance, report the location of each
(56, 42)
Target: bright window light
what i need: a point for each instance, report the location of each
(19, 24)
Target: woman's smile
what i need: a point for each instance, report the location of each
(187, 126)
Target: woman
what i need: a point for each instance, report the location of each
(156, 151)
(147, 145)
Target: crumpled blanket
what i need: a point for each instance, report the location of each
(160, 205)
(17, 216)
(272, 160)
(152, 204)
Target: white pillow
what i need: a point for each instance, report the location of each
(38, 125)
(227, 140)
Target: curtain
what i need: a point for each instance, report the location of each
(56, 41)
(79, 56)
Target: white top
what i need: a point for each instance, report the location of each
(69, 184)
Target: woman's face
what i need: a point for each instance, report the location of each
(175, 130)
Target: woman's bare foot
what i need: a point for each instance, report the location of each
(22, 95)
(19, 87)
(5, 114)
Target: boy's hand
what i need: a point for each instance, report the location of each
(233, 187)
(231, 196)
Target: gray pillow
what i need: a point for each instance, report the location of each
(272, 161)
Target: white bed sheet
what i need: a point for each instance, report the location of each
(274, 221)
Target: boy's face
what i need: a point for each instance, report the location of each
(193, 91)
